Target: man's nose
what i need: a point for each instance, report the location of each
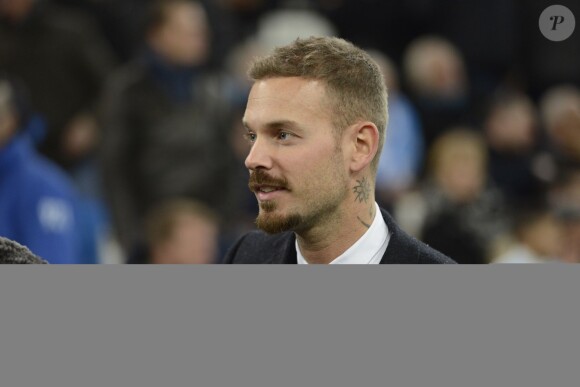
(259, 156)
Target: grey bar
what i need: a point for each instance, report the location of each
(256, 326)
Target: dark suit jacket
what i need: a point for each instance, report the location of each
(259, 247)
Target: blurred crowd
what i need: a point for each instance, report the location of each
(121, 137)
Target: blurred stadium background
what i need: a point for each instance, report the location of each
(121, 138)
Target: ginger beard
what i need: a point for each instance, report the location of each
(317, 198)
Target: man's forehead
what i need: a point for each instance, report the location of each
(287, 95)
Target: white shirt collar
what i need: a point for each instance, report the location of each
(369, 249)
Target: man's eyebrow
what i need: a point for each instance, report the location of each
(275, 124)
(283, 124)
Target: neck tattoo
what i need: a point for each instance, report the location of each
(363, 222)
(362, 190)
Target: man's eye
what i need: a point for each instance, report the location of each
(251, 137)
(283, 135)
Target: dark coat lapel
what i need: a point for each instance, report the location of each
(289, 252)
(399, 250)
(258, 247)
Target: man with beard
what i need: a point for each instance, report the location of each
(316, 119)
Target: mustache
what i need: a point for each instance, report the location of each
(260, 178)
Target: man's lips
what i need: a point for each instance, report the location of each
(267, 192)
(267, 187)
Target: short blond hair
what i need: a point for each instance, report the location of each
(354, 83)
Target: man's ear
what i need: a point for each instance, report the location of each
(364, 143)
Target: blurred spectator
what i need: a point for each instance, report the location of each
(180, 231)
(402, 154)
(511, 130)
(560, 108)
(458, 211)
(565, 197)
(121, 23)
(37, 200)
(435, 69)
(439, 85)
(63, 62)
(538, 235)
(486, 32)
(280, 27)
(166, 123)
